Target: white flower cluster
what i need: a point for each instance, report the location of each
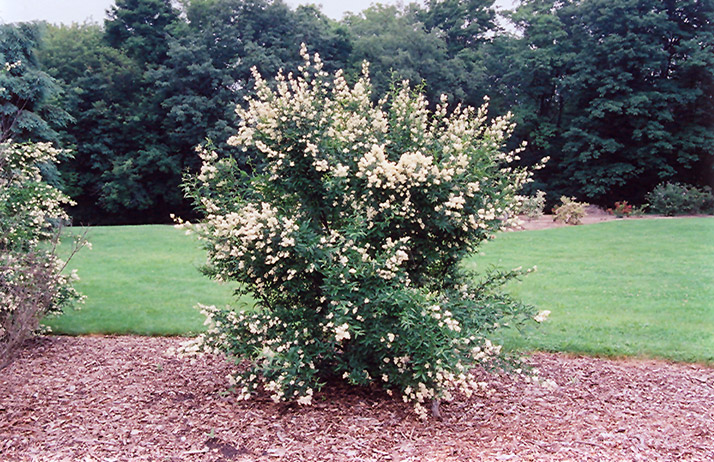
(486, 352)
(542, 316)
(256, 235)
(10, 66)
(342, 332)
(356, 144)
(258, 332)
(30, 205)
(445, 383)
(444, 318)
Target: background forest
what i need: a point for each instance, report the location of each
(618, 93)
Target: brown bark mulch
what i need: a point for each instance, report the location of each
(594, 214)
(122, 398)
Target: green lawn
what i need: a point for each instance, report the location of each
(141, 280)
(626, 287)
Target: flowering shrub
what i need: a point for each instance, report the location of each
(621, 209)
(31, 282)
(532, 206)
(351, 238)
(569, 211)
(680, 199)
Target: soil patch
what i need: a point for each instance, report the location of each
(123, 398)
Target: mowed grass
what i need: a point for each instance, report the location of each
(620, 288)
(140, 280)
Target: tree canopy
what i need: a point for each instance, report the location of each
(618, 93)
(27, 92)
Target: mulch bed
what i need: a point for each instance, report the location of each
(123, 398)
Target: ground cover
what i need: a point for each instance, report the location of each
(140, 280)
(622, 287)
(632, 287)
(122, 398)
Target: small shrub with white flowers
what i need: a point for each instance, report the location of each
(351, 236)
(32, 284)
(532, 206)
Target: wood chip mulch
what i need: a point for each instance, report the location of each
(125, 399)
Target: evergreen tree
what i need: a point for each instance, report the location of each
(27, 94)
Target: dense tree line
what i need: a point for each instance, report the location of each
(618, 93)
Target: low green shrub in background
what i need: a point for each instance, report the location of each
(532, 206)
(672, 199)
